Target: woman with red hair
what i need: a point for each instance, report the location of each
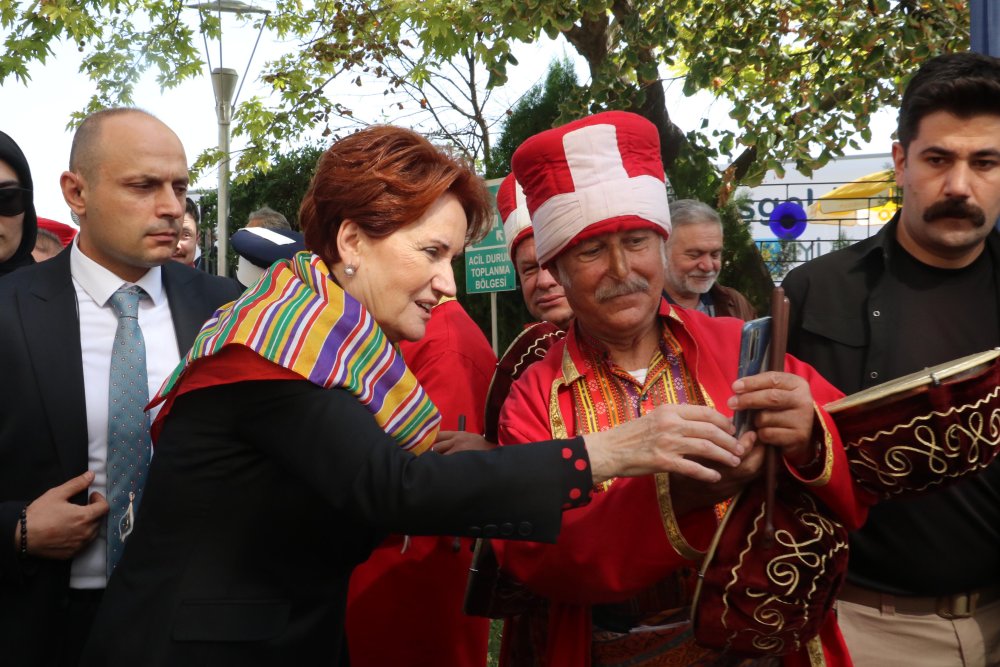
(285, 446)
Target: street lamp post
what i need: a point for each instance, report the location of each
(224, 80)
(224, 83)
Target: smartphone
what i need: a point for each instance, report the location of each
(755, 342)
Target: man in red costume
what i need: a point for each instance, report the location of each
(404, 604)
(618, 582)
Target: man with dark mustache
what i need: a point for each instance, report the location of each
(924, 578)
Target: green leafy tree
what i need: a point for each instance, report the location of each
(537, 110)
(540, 108)
(281, 187)
(802, 78)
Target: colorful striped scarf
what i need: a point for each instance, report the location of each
(298, 318)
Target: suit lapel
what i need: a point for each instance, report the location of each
(187, 304)
(48, 312)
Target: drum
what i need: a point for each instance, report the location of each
(758, 597)
(529, 347)
(923, 430)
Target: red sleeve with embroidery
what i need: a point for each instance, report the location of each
(837, 489)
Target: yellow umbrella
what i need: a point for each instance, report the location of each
(874, 192)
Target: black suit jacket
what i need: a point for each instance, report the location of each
(263, 496)
(43, 427)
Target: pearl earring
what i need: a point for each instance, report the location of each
(349, 270)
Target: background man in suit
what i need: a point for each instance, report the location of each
(187, 245)
(127, 182)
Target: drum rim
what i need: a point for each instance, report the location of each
(912, 381)
(709, 555)
(538, 331)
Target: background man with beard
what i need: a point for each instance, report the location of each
(694, 259)
(924, 580)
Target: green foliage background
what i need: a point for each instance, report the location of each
(801, 79)
(539, 109)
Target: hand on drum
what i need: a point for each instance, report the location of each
(688, 494)
(784, 414)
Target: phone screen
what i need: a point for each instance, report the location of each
(754, 345)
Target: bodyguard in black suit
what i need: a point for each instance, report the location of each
(127, 183)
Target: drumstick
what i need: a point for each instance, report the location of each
(776, 362)
(456, 543)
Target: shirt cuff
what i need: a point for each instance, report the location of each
(578, 483)
(818, 471)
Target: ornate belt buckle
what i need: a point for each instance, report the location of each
(962, 605)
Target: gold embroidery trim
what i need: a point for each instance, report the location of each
(556, 423)
(670, 525)
(569, 374)
(569, 370)
(801, 559)
(827, 444)
(814, 647)
(967, 441)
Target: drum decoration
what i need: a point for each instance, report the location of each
(777, 560)
(529, 347)
(788, 220)
(759, 597)
(924, 430)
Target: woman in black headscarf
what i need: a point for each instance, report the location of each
(18, 224)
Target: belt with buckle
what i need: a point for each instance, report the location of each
(960, 605)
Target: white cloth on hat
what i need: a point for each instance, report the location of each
(597, 152)
(249, 271)
(514, 211)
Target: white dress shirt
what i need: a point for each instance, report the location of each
(94, 286)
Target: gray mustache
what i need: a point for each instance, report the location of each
(621, 288)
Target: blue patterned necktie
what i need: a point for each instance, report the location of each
(128, 426)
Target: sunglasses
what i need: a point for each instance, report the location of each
(13, 200)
